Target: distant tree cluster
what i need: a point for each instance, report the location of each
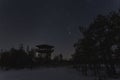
(99, 49)
(29, 58)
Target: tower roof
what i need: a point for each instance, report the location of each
(44, 46)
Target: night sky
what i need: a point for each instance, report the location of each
(53, 22)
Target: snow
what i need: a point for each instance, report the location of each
(44, 74)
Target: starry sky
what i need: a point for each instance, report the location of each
(53, 22)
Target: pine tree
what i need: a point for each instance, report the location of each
(100, 43)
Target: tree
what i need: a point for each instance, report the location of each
(100, 43)
(15, 58)
(58, 59)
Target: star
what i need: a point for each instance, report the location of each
(69, 32)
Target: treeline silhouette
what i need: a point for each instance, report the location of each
(99, 48)
(30, 58)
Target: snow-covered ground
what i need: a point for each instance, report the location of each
(44, 74)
